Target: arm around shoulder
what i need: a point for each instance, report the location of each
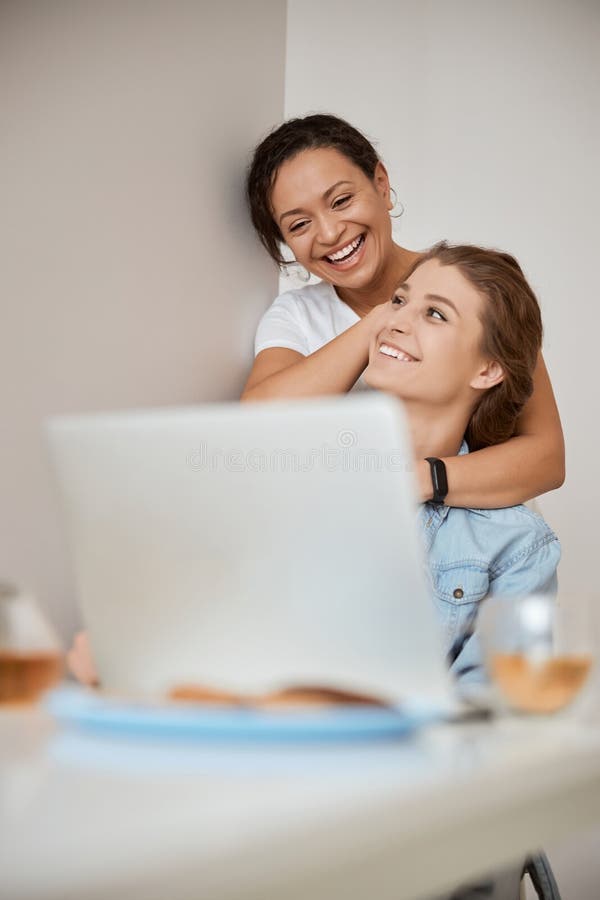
(529, 464)
(268, 363)
(281, 372)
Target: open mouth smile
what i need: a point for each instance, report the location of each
(395, 353)
(346, 254)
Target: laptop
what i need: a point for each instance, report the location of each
(251, 547)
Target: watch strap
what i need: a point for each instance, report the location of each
(439, 479)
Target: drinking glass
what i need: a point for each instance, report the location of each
(538, 650)
(30, 653)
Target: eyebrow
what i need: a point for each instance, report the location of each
(326, 196)
(436, 298)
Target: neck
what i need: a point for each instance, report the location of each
(436, 431)
(380, 290)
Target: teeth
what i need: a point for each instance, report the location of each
(397, 354)
(345, 251)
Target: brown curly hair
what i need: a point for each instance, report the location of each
(283, 143)
(512, 335)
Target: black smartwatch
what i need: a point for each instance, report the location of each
(439, 479)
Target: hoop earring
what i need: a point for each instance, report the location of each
(294, 269)
(397, 203)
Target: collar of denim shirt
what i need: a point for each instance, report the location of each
(431, 515)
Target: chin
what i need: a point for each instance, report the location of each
(361, 279)
(380, 381)
(376, 380)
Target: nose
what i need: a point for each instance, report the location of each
(400, 320)
(329, 229)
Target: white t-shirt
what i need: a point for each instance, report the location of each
(304, 319)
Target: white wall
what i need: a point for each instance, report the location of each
(129, 273)
(487, 116)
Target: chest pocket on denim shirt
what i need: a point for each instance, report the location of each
(457, 590)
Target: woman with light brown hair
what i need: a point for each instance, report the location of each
(458, 344)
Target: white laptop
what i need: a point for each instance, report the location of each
(251, 547)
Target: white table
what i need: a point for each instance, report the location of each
(84, 818)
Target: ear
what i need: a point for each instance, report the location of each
(382, 183)
(490, 374)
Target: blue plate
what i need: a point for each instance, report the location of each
(93, 711)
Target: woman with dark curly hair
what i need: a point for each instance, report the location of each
(317, 185)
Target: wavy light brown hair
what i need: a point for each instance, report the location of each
(512, 335)
(292, 137)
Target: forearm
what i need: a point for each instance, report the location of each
(503, 475)
(529, 464)
(332, 369)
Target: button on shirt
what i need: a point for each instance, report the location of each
(472, 553)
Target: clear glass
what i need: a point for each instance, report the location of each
(31, 659)
(538, 650)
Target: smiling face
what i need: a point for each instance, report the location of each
(335, 219)
(427, 348)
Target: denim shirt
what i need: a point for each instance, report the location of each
(472, 553)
